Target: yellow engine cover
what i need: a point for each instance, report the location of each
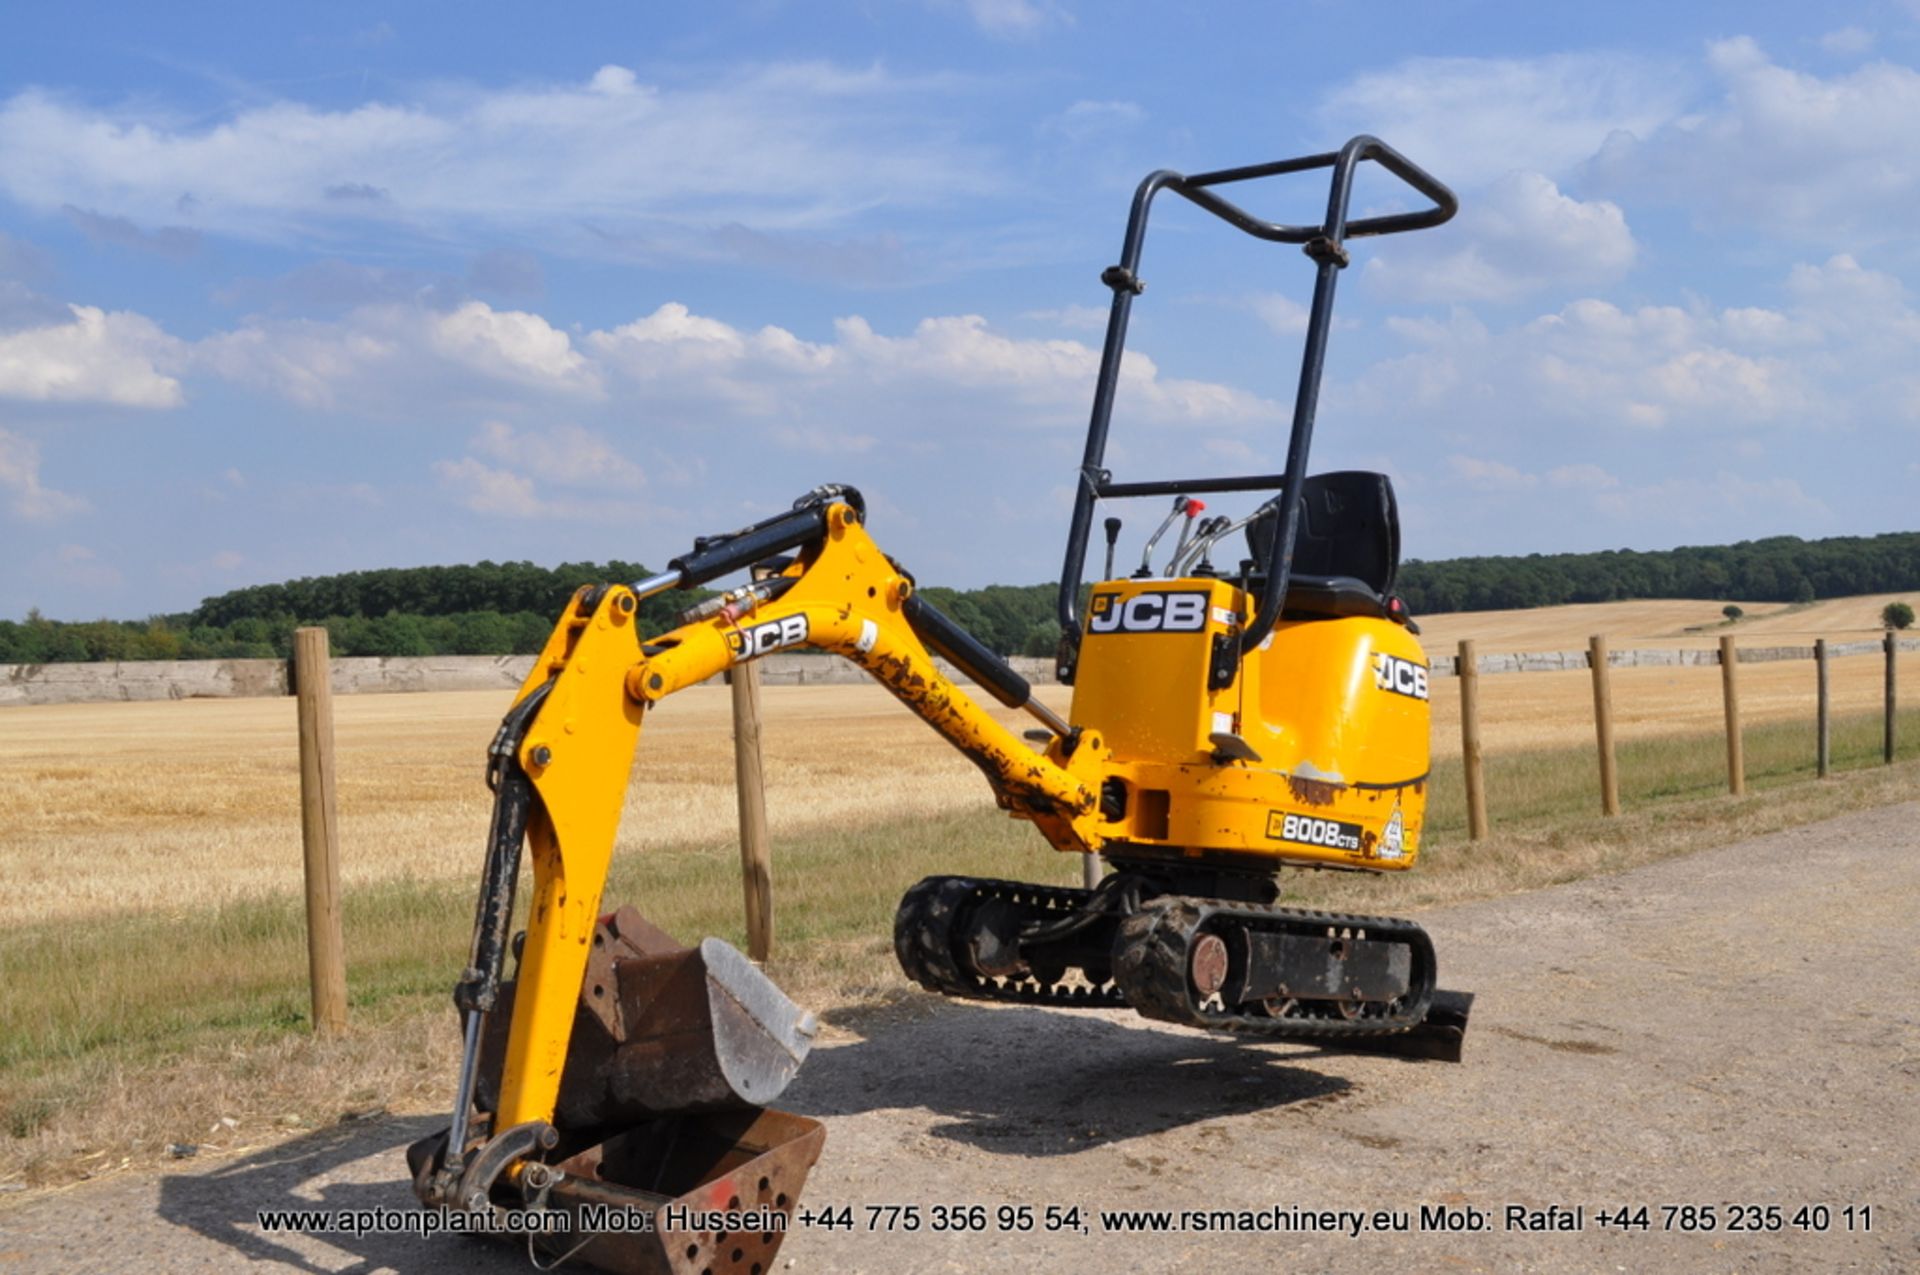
(1316, 754)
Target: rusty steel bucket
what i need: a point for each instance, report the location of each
(666, 1159)
(663, 1028)
(715, 1192)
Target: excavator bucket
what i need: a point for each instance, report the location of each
(662, 1152)
(699, 1193)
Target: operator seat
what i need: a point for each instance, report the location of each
(1346, 550)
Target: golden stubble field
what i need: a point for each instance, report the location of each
(1661, 622)
(170, 807)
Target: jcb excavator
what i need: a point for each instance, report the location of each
(1225, 724)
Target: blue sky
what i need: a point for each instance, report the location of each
(290, 290)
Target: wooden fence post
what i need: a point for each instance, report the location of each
(1886, 748)
(320, 830)
(1730, 686)
(756, 855)
(1823, 731)
(1603, 723)
(1468, 671)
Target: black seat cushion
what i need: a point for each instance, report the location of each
(1319, 597)
(1346, 551)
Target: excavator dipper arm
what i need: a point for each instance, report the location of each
(565, 752)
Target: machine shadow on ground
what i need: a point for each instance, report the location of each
(1041, 1082)
(221, 1205)
(1011, 1081)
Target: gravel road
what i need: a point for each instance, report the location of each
(1732, 1028)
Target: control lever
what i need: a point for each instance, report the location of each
(1186, 529)
(1204, 537)
(1113, 538)
(1203, 544)
(1146, 557)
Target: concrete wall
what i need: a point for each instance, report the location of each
(226, 679)
(1554, 661)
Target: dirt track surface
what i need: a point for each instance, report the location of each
(1736, 1027)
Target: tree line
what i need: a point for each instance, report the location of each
(490, 608)
(1777, 569)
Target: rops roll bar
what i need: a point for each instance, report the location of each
(1325, 244)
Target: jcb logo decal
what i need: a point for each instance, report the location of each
(1402, 677)
(1309, 831)
(1148, 613)
(756, 640)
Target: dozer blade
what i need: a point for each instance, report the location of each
(661, 1150)
(1439, 1037)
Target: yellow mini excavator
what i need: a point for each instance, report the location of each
(1225, 724)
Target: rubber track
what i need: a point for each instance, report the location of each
(1151, 972)
(923, 933)
(1155, 943)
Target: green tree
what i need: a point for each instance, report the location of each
(1042, 640)
(1731, 611)
(1896, 615)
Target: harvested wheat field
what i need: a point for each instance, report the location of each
(1661, 622)
(178, 805)
(170, 807)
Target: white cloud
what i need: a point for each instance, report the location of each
(673, 368)
(97, 357)
(1869, 307)
(779, 147)
(1522, 235)
(522, 468)
(1087, 121)
(485, 489)
(1014, 17)
(512, 344)
(1490, 475)
(380, 356)
(1655, 365)
(1083, 318)
(1784, 151)
(1596, 364)
(305, 360)
(564, 454)
(1582, 477)
(1283, 315)
(27, 499)
(1472, 120)
(866, 397)
(771, 372)
(1709, 502)
(1677, 504)
(1847, 41)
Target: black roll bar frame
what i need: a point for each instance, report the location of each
(1325, 244)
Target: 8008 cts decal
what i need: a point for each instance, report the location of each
(1307, 830)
